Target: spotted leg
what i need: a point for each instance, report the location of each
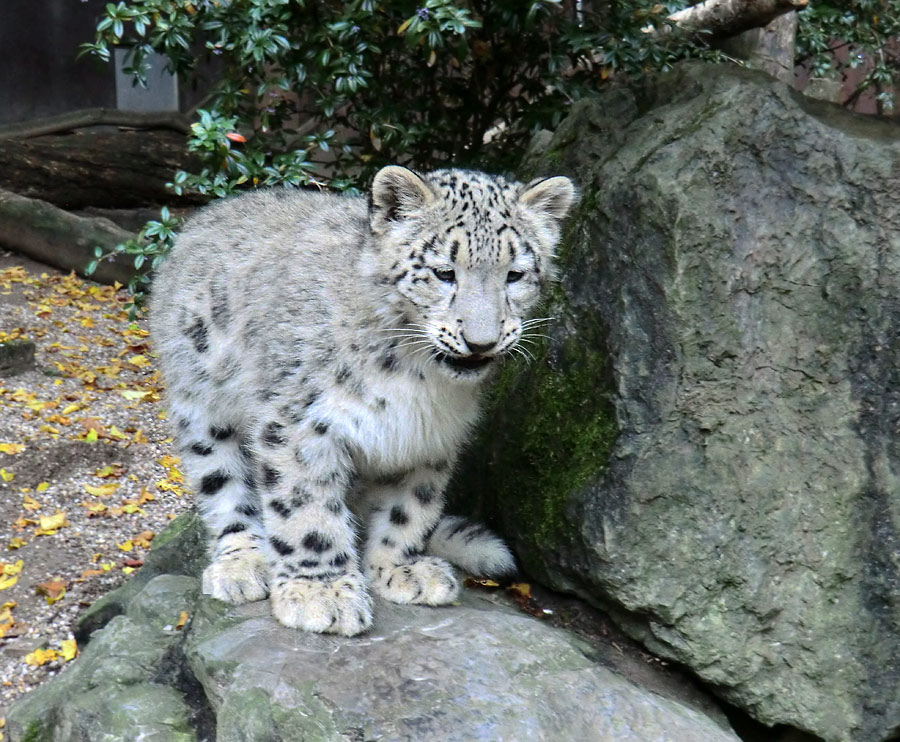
(406, 513)
(219, 471)
(305, 471)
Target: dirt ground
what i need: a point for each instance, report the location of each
(87, 476)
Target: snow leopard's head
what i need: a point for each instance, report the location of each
(463, 257)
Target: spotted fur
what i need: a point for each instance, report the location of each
(324, 359)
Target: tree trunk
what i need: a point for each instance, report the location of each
(117, 169)
(53, 236)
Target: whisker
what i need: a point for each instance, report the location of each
(408, 336)
(527, 352)
(537, 321)
(410, 326)
(413, 342)
(402, 329)
(518, 350)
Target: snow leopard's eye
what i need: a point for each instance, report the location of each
(447, 275)
(514, 276)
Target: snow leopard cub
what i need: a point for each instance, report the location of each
(324, 360)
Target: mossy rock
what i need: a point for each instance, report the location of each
(706, 444)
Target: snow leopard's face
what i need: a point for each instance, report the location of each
(466, 255)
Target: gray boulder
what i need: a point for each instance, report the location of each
(708, 445)
(476, 671)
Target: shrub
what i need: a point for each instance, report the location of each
(321, 92)
(835, 36)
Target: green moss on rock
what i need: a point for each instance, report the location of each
(548, 428)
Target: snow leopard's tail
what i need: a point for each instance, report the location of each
(472, 547)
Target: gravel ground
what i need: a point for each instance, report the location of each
(87, 471)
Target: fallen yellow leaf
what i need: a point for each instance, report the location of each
(131, 394)
(94, 508)
(139, 361)
(29, 503)
(103, 490)
(11, 568)
(43, 487)
(91, 436)
(8, 582)
(41, 657)
(109, 471)
(68, 649)
(17, 542)
(114, 432)
(52, 590)
(50, 524)
(126, 545)
(7, 476)
(182, 620)
(12, 447)
(520, 588)
(143, 539)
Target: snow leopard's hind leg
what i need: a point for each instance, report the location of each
(406, 509)
(219, 466)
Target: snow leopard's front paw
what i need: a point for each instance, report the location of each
(342, 606)
(426, 581)
(237, 577)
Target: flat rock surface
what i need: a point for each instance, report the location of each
(473, 672)
(180, 666)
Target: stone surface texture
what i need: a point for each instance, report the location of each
(707, 445)
(476, 671)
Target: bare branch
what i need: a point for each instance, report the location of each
(730, 17)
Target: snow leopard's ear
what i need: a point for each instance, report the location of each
(552, 197)
(397, 192)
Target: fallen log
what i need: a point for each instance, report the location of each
(106, 169)
(50, 235)
(96, 117)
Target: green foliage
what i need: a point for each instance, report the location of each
(148, 249)
(321, 92)
(836, 36)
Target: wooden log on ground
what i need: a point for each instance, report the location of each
(50, 235)
(106, 169)
(96, 117)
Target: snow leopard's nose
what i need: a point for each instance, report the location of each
(478, 348)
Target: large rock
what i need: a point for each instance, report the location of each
(476, 671)
(709, 443)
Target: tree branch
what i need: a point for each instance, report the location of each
(730, 17)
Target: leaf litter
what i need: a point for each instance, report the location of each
(87, 470)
